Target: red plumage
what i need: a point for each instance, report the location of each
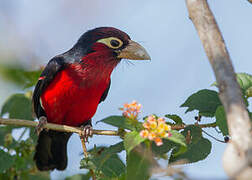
(74, 94)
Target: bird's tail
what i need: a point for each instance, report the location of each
(51, 150)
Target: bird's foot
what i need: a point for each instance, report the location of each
(41, 125)
(87, 131)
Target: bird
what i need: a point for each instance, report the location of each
(72, 85)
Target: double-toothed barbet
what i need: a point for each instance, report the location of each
(73, 84)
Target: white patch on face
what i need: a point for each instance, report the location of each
(41, 104)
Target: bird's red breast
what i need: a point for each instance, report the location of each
(74, 94)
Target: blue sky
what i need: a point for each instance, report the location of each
(179, 66)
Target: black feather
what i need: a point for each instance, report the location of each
(51, 150)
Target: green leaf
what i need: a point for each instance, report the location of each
(221, 120)
(4, 131)
(205, 101)
(118, 121)
(110, 165)
(18, 106)
(106, 160)
(245, 82)
(178, 151)
(195, 133)
(37, 176)
(131, 140)
(116, 148)
(177, 138)
(249, 92)
(196, 152)
(175, 118)
(19, 75)
(138, 165)
(79, 177)
(6, 161)
(165, 148)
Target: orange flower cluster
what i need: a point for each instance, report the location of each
(155, 129)
(131, 110)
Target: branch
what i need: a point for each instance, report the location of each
(56, 127)
(70, 129)
(230, 94)
(183, 126)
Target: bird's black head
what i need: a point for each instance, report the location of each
(111, 39)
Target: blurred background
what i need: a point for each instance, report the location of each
(32, 32)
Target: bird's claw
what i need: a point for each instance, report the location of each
(41, 125)
(87, 131)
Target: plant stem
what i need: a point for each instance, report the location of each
(62, 128)
(84, 147)
(21, 136)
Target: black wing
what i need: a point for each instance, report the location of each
(52, 68)
(105, 94)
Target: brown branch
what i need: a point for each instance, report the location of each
(86, 155)
(56, 127)
(64, 128)
(230, 94)
(183, 126)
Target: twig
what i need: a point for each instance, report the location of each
(213, 137)
(86, 155)
(183, 126)
(62, 128)
(236, 155)
(21, 136)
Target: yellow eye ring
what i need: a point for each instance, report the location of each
(111, 42)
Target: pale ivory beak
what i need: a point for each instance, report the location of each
(133, 51)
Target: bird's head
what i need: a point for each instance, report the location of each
(109, 40)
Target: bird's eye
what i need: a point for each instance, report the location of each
(111, 42)
(114, 43)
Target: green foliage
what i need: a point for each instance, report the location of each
(221, 120)
(7, 159)
(110, 165)
(245, 82)
(160, 151)
(175, 118)
(205, 101)
(196, 152)
(17, 159)
(79, 177)
(19, 75)
(105, 161)
(138, 164)
(131, 140)
(177, 138)
(18, 106)
(118, 121)
(194, 132)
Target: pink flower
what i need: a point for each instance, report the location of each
(131, 110)
(158, 141)
(155, 129)
(144, 133)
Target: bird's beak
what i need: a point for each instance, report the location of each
(133, 51)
